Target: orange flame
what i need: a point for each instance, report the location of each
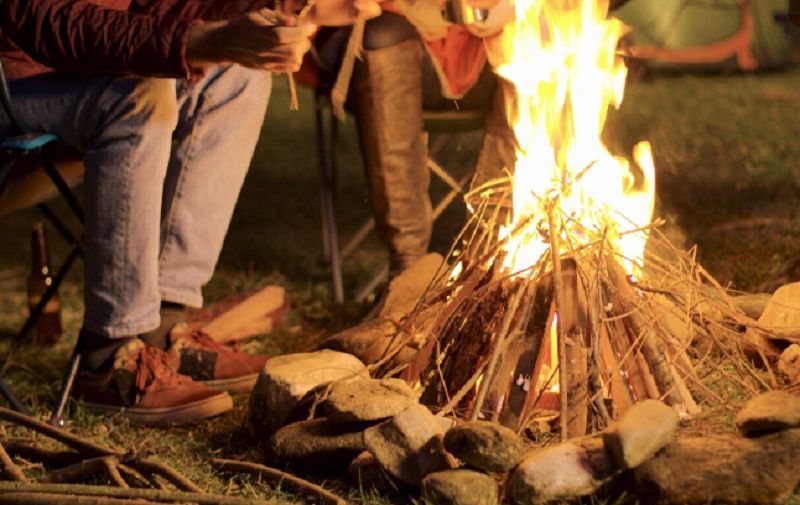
(561, 56)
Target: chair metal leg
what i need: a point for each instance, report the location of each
(61, 185)
(49, 293)
(66, 387)
(60, 227)
(12, 400)
(328, 207)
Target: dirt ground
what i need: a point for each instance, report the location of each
(726, 149)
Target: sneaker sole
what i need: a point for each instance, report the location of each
(188, 413)
(240, 384)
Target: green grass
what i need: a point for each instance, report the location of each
(726, 150)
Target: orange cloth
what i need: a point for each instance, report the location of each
(459, 56)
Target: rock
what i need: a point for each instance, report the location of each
(410, 445)
(285, 380)
(724, 469)
(485, 445)
(459, 487)
(781, 317)
(368, 400)
(406, 289)
(368, 341)
(643, 430)
(789, 363)
(314, 445)
(768, 412)
(782, 314)
(367, 473)
(561, 472)
(752, 304)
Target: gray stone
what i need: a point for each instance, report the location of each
(459, 487)
(368, 400)
(768, 412)
(315, 444)
(286, 379)
(789, 363)
(724, 469)
(781, 318)
(561, 472)
(410, 445)
(406, 289)
(782, 314)
(643, 430)
(752, 304)
(485, 445)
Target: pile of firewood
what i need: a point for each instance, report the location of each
(484, 333)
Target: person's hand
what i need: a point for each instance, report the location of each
(259, 39)
(340, 12)
(500, 14)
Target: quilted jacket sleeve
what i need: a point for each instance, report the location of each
(207, 10)
(79, 37)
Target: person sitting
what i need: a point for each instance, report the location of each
(165, 101)
(413, 61)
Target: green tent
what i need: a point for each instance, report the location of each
(710, 34)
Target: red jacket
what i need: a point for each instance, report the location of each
(146, 37)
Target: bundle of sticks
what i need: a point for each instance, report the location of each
(574, 333)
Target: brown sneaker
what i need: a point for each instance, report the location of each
(213, 364)
(143, 386)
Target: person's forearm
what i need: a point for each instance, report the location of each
(207, 10)
(79, 37)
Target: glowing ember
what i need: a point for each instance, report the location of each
(561, 56)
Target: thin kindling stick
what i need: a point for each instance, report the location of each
(555, 248)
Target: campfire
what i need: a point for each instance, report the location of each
(548, 302)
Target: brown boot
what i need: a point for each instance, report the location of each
(215, 365)
(388, 95)
(142, 385)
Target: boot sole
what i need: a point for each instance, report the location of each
(240, 384)
(187, 413)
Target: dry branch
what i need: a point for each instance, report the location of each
(81, 445)
(82, 471)
(275, 475)
(29, 498)
(8, 490)
(162, 470)
(10, 469)
(48, 457)
(655, 356)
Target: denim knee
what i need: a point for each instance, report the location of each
(141, 106)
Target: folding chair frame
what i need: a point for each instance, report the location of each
(34, 145)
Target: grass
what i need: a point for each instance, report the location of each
(727, 153)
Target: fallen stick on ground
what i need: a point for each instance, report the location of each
(275, 475)
(85, 447)
(173, 477)
(10, 469)
(69, 493)
(26, 498)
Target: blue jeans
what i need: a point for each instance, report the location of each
(165, 161)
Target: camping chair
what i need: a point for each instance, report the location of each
(32, 170)
(442, 123)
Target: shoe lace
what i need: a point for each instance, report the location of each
(154, 368)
